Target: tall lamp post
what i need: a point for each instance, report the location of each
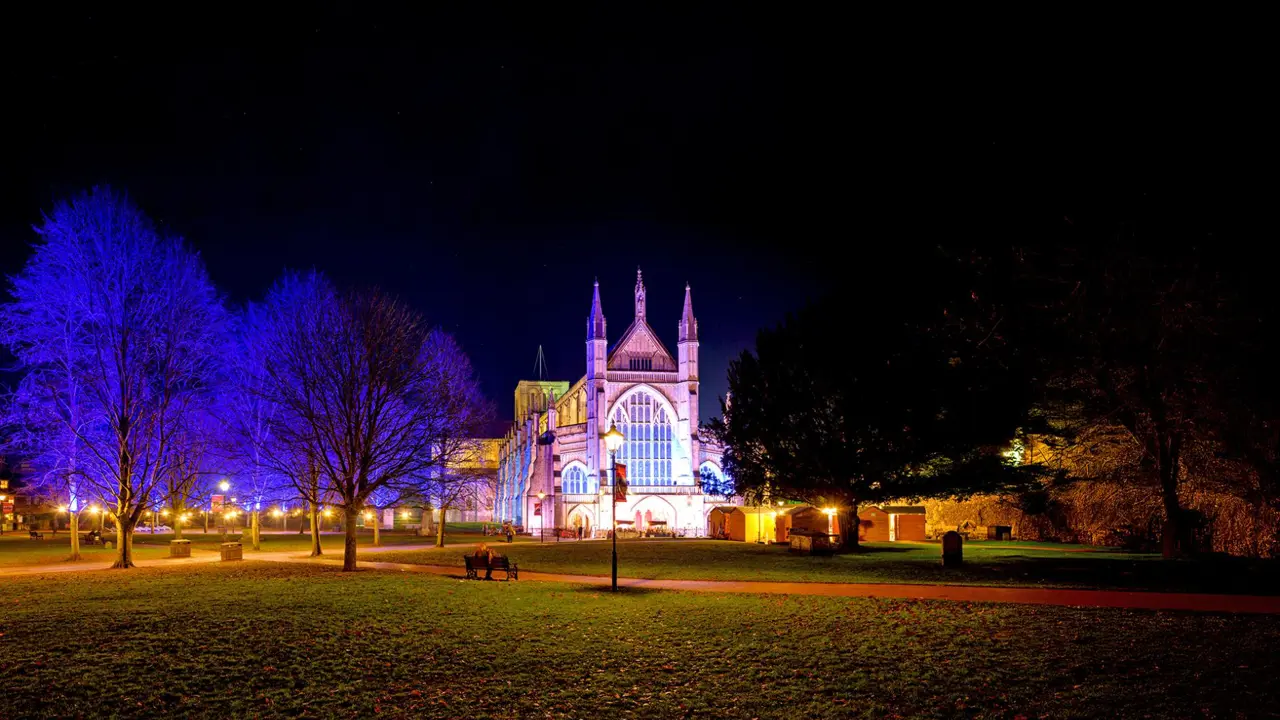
(542, 521)
(3, 500)
(612, 441)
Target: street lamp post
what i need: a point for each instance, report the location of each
(3, 500)
(612, 441)
(542, 522)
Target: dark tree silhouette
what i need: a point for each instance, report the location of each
(880, 393)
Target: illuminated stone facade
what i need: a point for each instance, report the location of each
(556, 447)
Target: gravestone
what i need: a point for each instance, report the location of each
(952, 549)
(179, 548)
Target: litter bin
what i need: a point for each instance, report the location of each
(232, 551)
(179, 548)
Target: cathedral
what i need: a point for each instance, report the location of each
(554, 467)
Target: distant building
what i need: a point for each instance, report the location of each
(556, 444)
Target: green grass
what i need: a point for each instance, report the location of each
(986, 563)
(266, 640)
(21, 550)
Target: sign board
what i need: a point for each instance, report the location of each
(537, 508)
(6, 508)
(619, 483)
(215, 503)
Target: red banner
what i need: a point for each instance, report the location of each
(537, 508)
(7, 508)
(619, 483)
(215, 503)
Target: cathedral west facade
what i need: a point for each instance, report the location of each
(554, 465)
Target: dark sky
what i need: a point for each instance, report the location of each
(486, 169)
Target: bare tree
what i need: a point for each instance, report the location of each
(136, 332)
(371, 392)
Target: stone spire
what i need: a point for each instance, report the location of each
(595, 323)
(688, 323)
(639, 294)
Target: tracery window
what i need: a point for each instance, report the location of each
(646, 451)
(575, 481)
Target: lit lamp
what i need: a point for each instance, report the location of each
(613, 442)
(224, 486)
(542, 524)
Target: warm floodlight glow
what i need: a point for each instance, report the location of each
(62, 508)
(613, 439)
(542, 495)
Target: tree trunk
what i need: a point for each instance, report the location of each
(177, 522)
(440, 527)
(124, 545)
(377, 526)
(848, 518)
(75, 536)
(1172, 540)
(256, 532)
(315, 531)
(349, 547)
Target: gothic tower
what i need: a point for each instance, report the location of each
(594, 386)
(687, 379)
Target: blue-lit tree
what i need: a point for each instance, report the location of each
(127, 320)
(366, 389)
(248, 419)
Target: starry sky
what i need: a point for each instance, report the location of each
(486, 169)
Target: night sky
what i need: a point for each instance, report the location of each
(487, 169)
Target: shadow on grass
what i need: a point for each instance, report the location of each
(1202, 575)
(876, 550)
(622, 590)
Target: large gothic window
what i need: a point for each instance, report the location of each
(646, 452)
(575, 481)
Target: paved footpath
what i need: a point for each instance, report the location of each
(965, 593)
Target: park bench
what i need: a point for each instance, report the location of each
(37, 535)
(501, 563)
(91, 538)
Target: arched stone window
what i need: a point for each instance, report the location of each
(646, 424)
(574, 480)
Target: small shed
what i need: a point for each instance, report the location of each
(891, 523)
(742, 523)
(804, 517)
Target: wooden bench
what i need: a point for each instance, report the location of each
(37, 535)
(92, 538)
(501, 563)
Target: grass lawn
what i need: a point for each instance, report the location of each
(20, 549)
(986, 563)
(252, 639)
